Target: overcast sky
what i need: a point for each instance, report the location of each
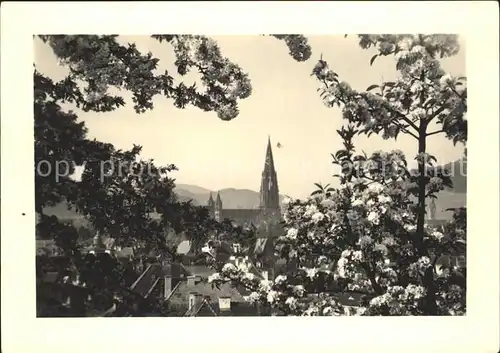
(284, 104)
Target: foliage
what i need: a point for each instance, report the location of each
(369, 235)
(119, 193)
(233, 233)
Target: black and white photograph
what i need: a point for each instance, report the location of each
(251, 175)
(133, 221)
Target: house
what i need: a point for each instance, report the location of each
(186, 291)
(47, 248)
(263, 253)
(196, 297)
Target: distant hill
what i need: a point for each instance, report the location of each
(62, 212)
(185, 195)
(231, 199)
(456, 196)
(458, 173)
(447, 199)
(194, 189)
(247, 199)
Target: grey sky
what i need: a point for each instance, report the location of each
(217, 154)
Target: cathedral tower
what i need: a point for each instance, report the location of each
(269, 192)
(211, 203)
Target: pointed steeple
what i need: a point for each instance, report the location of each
(269, 163)
(218, 208)
(218, 201)
(211, 202)
(269, 192)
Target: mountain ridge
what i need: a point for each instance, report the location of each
(233, 198)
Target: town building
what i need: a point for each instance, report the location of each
(269, 212)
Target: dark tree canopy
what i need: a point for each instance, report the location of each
(119, 193)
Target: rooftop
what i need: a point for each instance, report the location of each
(180, 294)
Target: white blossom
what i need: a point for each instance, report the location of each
(214, 277)
(438, 235)
(328, 203)
(311, 272)
(291, 302)
(365, 241)
(253, 296)
(265, 285)
(415, 291)
(374, 217)
(250, 276)
(311, 235)
(423, 263)
(357, 255)
(298, 290)
(446, 80)
(381, 248)
(228, 267)
(272, 295)
(357, 203)
(310, 210)
(384, 199)
(317, 217)
(280, 279)
(292, 233)
(410, 227)
(375, 188)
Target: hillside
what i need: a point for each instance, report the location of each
(193, 189)
(457, 195)
(231, 199)
(447, 199)
(247, 199)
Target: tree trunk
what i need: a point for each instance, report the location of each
(421, 190)
(428, 280)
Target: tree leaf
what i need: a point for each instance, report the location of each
(373, 59)
(372, 87)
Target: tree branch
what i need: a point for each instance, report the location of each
(436, 113)
(410, 133)
(400, 115)
(408, 121)
(371, 275)
(434, 132)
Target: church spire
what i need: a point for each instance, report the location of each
(269, 193)
(269, 164)
(218, 201)
(218, 208)
(211, 202)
